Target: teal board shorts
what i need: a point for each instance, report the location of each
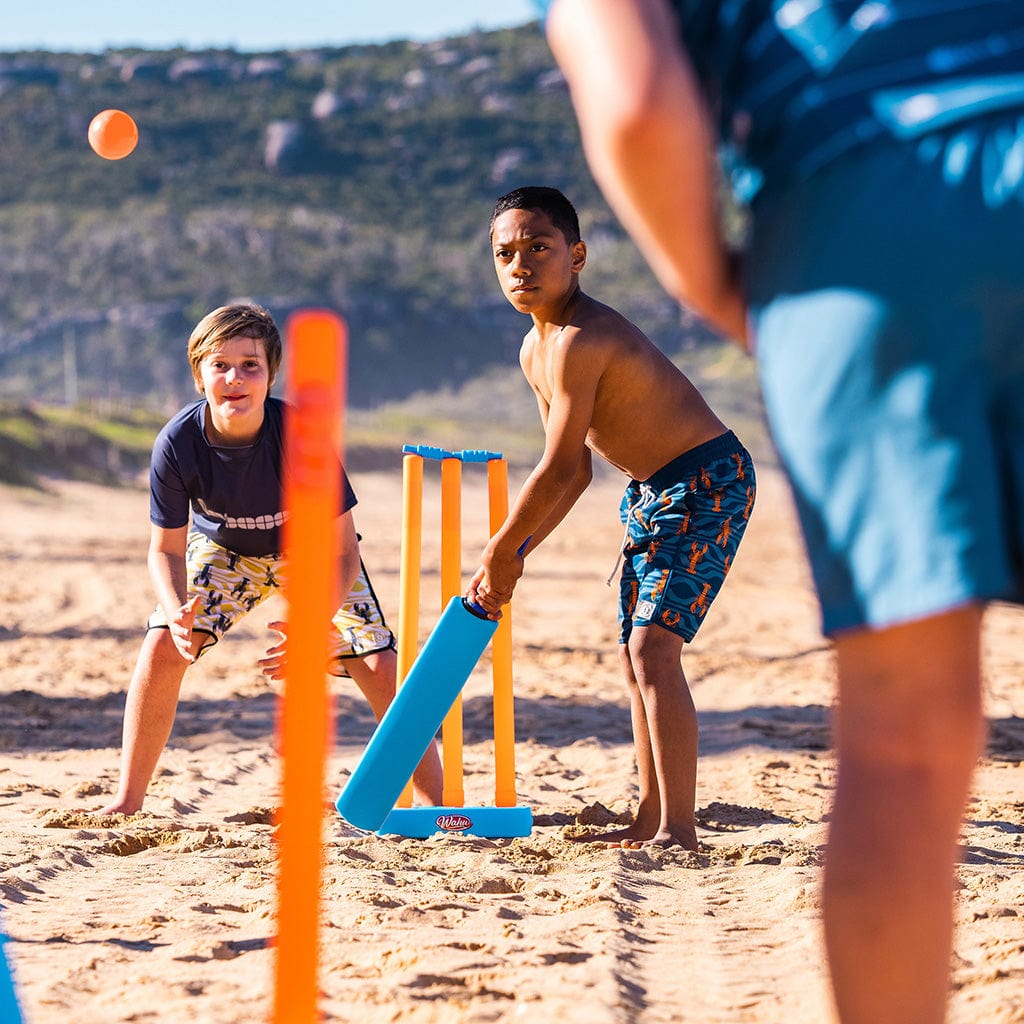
(683, 526)
(888, 296)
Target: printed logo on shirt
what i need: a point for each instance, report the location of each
(269, 522)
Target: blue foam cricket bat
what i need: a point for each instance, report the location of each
(10, 1011)
(411, 722)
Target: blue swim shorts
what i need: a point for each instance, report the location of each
(888, 292)
(683, 526)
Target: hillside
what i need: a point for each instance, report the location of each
(41, 443)
(360, 178)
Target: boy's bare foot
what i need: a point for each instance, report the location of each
(117, 807)
(664, 839)
(617, 837)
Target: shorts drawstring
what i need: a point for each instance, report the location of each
(625, 537)
(622, 551)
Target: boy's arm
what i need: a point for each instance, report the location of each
(579, 483)
(166, 562)
(574, 487)
(348, 557)
(556, 482)
(649, 142)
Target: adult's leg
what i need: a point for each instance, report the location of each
(148, 717)
(375, 676)
(909, 731)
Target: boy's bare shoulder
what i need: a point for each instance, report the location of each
(600, 327)
(594, 341)
(594, 315)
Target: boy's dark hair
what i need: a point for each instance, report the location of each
(243, 319)
(546, 200)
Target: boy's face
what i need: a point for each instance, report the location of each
(536, 266)
(235, 378)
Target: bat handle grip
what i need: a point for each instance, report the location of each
(472, 606)
(474, 609)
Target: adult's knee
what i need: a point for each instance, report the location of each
(911, 695)
(935, 746)
(910, 725)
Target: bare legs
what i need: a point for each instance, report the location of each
(153, 699)
(148, 718)
(665, 739)
(375, 676)
(909, 731)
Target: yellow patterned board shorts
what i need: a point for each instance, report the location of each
(231, 585)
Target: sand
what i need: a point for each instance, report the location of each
(169, 915)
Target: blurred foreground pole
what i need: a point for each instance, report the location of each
(316, 353)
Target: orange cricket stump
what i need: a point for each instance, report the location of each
(452, 792)
(506, 818)
(313, 446)
(501, 651)
(409, 576)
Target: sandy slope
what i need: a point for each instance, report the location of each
(168, 916)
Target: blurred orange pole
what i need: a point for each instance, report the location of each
(312, 447)
(501, 657)
(453, 792)
(409, 577)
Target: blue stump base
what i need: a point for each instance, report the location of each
(488, 822)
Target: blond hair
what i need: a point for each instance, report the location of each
(241, 320)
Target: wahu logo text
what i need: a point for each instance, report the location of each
(454, 822)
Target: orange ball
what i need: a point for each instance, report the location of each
(113, 134)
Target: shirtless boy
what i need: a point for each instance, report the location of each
(603, 387)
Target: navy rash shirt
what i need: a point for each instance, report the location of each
(234, 494)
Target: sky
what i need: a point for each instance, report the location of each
(96, 25)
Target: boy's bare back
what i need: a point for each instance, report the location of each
(642, 409)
